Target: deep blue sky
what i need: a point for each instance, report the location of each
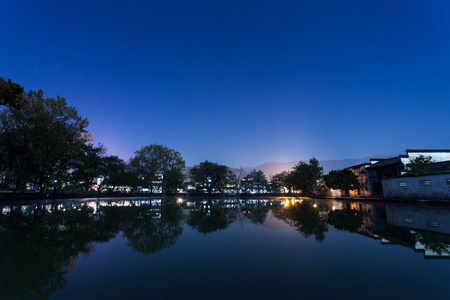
(241, 82)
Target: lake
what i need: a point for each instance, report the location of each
(203, 248)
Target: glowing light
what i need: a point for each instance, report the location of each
(315, 205)
(180, 200)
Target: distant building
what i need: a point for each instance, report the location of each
(361, 172)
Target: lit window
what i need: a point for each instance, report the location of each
(403, 184)
(409, 220)
(425, 182)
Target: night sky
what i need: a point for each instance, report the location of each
(241, 82)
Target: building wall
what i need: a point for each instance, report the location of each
(363, 178)
(413, 187)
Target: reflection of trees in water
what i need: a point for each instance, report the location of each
(38, 249)
(211, 216)
(346, 219)
(149, 233)
(434, 242)
(312, 219)
(255, 212)
(305, 218)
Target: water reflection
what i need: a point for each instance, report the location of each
(254, 210)
(149, 231)
(346, 219)
(305, 217)
(212, 215)
(39, 245)
(150, 225)
(41, 242)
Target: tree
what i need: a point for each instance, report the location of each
(255, 180)
(306, 177)
(280, 180)
(235, 179)
(11, 94)
(343, 179)
(210, 176)
(40, 140)
(419, 166)
(113, 171)
(86, 168)
(158, 163)
(173, 180)
(131, 178)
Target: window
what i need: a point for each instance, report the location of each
(403, 184)
(432, 224)
(409, 220)
(425, 182)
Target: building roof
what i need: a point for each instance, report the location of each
(358, 165)
(439, 167)
(428, 150)
(386, 162)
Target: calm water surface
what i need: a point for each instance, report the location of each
(224, 249)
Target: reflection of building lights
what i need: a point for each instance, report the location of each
(180, 200)
(315, 205)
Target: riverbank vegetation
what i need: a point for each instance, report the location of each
(46, 148)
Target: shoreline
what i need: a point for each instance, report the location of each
(31, 197)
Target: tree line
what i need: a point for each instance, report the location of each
(46, 146)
